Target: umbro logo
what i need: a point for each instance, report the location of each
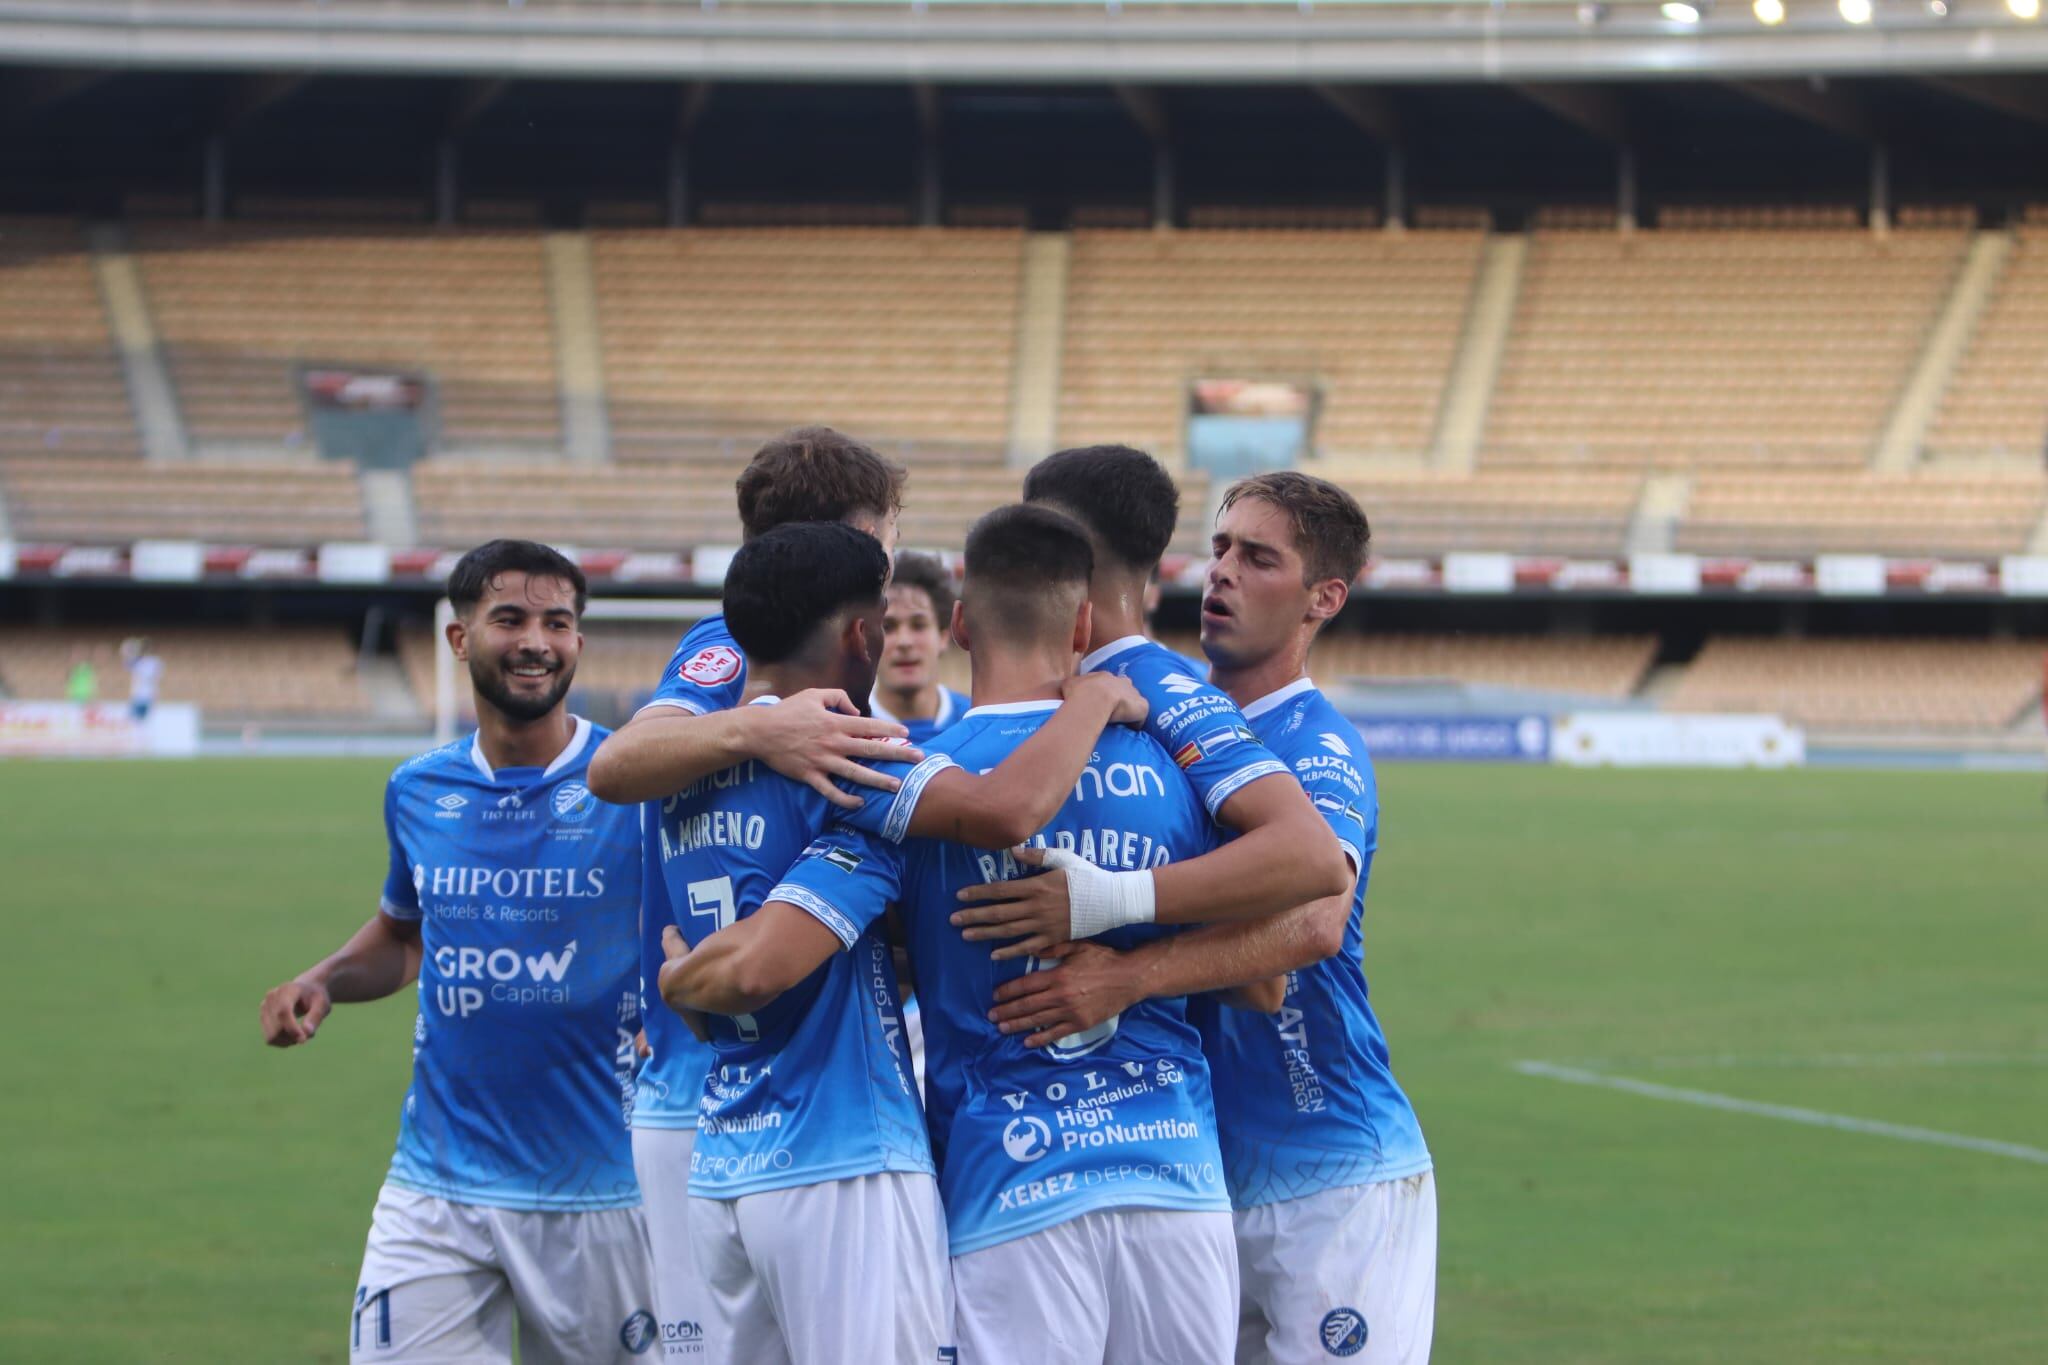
(1335, 744)
(1180, 684)
(451, 806)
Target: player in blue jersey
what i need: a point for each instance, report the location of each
(1285, 856)
(693, 727)
(914, 636)
(1082, 1181)
(512, 895)
(811, 1153)
(1335, 1195)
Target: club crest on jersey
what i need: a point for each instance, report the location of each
(1335, 744)
(711, 665)
(1343, 1332)
(639, 1332)
(573, 803)
(1180, 684)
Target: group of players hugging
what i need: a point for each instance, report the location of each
(787, 1025)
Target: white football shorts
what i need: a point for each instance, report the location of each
(1112, 1287)
(661, 1159)
(441, 1282)
(846, 1272)
(1342, 1274)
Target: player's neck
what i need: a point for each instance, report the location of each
(914, 703)
(1119, 603)
(1003, 674)
(788, 678)
(1263, 677)
(512, 743)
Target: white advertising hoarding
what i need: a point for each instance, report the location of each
(108, 729)
(1624, 739)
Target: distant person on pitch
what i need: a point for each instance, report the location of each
(83, 684)
(915, 633)
(145, 675)
(513, 895)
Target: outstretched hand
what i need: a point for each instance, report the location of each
(819, 735)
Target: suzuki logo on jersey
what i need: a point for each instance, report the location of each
(573, 803)
(451, 806)
(1026, 1138)
(1180, 684)
(711, 666)
(514, 979)
(1335, 744)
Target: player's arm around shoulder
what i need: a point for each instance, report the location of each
(813, 737)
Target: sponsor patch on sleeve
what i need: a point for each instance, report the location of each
(710, 666)
(840, 858)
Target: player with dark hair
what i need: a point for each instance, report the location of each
(691, 726)
(811, 1155)
(512, 895)
(1081, 1179)
(1328, 1170)
(1285, 856)
(915, 632)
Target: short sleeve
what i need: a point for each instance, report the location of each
(401, 898)
(1199, 726)
(707, 672)
(846, 879)
(885, 814)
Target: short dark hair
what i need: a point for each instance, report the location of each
(787, 581)
(1330, 529)
(473, 574)
(815, 474)
(928, 574)
(1028, 567)
(1123, 496)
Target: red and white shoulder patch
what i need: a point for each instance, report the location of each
(710, 666)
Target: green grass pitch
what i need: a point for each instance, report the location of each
(1868, 945)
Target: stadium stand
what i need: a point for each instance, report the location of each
(61, 386)
(1876, 684)
(1997, 404)
(463, 500)
(1609, 666)
(1738, 346)
(1372, 318)
(714, 339)
(241, 305)
(288, 672)
(1923, 513)
(1566, 513)
(281, 501)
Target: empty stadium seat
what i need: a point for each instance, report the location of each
(1925, 513)
(1595, 666)
(1371, 318)
(1679, 349)
(1859, 684)
(294, 672)
(239, 502)
(1565, 513)
(1997, 402)
(241, 306)
(61, 386)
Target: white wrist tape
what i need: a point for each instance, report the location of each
(1098, 901)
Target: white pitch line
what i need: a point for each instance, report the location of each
(1829, 1061)
(1815, 1118)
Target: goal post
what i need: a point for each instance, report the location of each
(684, 611)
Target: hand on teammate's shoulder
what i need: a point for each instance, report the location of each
(819, 736)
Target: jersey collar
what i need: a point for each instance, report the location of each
(943, 719)
(1013, 708)
(1110, 651)
(1273, 699)
(579, 738)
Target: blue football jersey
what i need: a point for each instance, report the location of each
(1119, 1116)
(1200, 728)
(817, 1086)
(952, 706)
(527, 890)
(1313, 1104)
(707, 672)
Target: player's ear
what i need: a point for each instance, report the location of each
(1084, 626)
(853, 640)
(958, 630)
(458, 639)
(1327, 598)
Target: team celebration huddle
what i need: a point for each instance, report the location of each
(821, 1015)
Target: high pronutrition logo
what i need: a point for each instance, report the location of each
(573, 803)
(1343, 1331)
(710, 666)
(1026, 1138)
